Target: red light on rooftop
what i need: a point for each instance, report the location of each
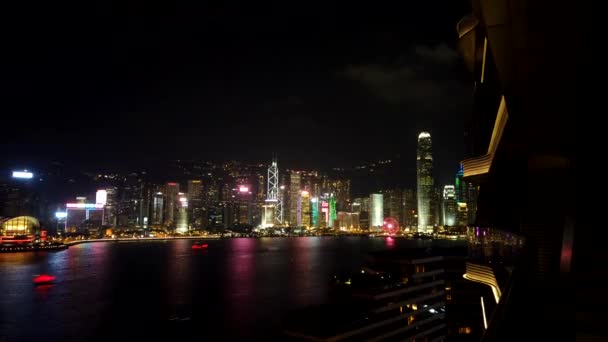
(171, 184)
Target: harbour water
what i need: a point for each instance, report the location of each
(235, 288)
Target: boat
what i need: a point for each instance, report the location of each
(198, 245)
(43, 279)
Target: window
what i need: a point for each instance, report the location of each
(464, 330)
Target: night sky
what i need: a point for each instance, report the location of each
(321, 86)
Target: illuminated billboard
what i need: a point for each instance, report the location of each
(101, 197)
(243, 188)
(22, 174)
(84, 205)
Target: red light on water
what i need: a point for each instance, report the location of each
(44, 279)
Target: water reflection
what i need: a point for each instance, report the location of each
(239, 287)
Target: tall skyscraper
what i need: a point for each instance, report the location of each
(305, 206)
(294, 194)
(332, 210)
(410, 208)
(195, 201)
(341, 189)
(158, 209)
(181, 225)
(111, 207)
(314, 205)
(424, 171)
(448, 206)
(274, 196)
(376, 206)
(171, 191)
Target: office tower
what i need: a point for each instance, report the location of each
(212, 194)
(111, 207)
(181, 225)
(410, 207)
(244, 205)
(158, 209)
(294, 194)
(314, 206)
(348, 221)
(341, 189)
(305, 206)
(448, 206)
(393, 204)
(261, 187)
(332, 210)
(145, 202)
(274, 196)
(195, 202)
(171, 191)
(424, 172)
(376, 205)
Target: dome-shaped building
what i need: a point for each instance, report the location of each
(18, 229)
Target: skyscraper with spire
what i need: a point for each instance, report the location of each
(425, 189)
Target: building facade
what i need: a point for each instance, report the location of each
(425, 188)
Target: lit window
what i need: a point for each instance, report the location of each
(414, 306)
(410, 320)
(464, 330)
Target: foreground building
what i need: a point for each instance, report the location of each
(397, 296)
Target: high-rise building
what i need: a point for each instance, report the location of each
(348, 221)
(171, 191)
(332, 210)
(314, 206)
(424, 172)
(305, 206)
(294, 194)
(158, 209)
(111, 207)
(341, 190)
(410, 208)
(448, 207)
(376, 205)
(393, 204)
(195, 202)
(181, 225)
(261, 187)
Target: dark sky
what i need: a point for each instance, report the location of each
(320, 85)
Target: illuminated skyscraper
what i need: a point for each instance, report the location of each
(158, 209)
(424, 171)
(314, 204)
(341, 189)
(333, 215)
(171, 191)
(376, 206)
(449, 209)
(274, 198)
(305, 206)
(195, 201)
(294, 194)
(181, 225)
(410, 208)
(111, 207)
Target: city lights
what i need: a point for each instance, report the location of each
(101, 197)
(22, 174)
(61, 214)
(84, 205)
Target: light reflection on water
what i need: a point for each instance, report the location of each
(225, 291)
